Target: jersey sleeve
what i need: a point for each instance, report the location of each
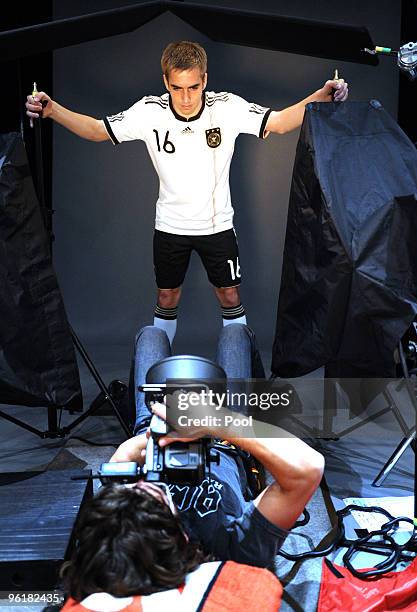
(248, 117)
(128, 124)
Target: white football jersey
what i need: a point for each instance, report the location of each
(191, 156)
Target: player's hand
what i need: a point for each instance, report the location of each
(333, 91)
(39, 105)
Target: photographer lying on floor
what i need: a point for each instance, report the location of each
(133, 555)
(216, 513)
(134, 541)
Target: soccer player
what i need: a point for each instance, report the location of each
(190, 135)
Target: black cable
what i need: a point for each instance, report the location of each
(386, 545)
(303, 521)
(311, 554)
(394, 551)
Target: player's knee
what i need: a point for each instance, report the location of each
(228, 296)
(169, 298)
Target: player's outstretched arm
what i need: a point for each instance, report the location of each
(290, 118)
(82, 125)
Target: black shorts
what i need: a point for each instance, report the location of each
(218, 252)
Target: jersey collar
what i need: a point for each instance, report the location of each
(194, 117)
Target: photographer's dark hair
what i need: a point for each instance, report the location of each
(127, 542)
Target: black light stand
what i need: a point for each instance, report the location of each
(409, 380)
(107, 394)
(410, 439)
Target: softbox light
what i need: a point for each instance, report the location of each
(349, 280)
(37, 359)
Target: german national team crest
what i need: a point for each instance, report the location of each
(213, 137)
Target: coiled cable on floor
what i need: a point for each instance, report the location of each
(380, 541)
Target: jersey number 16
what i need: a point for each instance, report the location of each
(168, 146)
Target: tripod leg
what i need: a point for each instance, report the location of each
(329, 403)
(100, 383)
(396, 455)
(52, 420)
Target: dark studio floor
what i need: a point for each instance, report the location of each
(352, 462)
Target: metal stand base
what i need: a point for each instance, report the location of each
(107, 394)
(408, 440)
(395, 457)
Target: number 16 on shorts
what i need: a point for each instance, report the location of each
(234, 268)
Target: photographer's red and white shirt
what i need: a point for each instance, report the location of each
(213, 586)
(191, 156)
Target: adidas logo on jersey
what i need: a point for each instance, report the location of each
(187, 130)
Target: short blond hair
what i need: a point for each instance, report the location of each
(183, 55)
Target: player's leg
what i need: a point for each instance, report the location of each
(171, 259)
(166, 311)
(231, 305)
(220, 256)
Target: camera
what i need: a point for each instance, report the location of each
(177, 463)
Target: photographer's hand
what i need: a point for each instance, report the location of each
(179, 434)
(132, 449)
(199, 418)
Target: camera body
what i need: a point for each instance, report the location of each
(179, 462)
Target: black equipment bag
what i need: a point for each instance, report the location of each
(38, 366)
(349, 280)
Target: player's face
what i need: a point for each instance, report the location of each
(186, 88)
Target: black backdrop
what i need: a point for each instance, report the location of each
(104, 197)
